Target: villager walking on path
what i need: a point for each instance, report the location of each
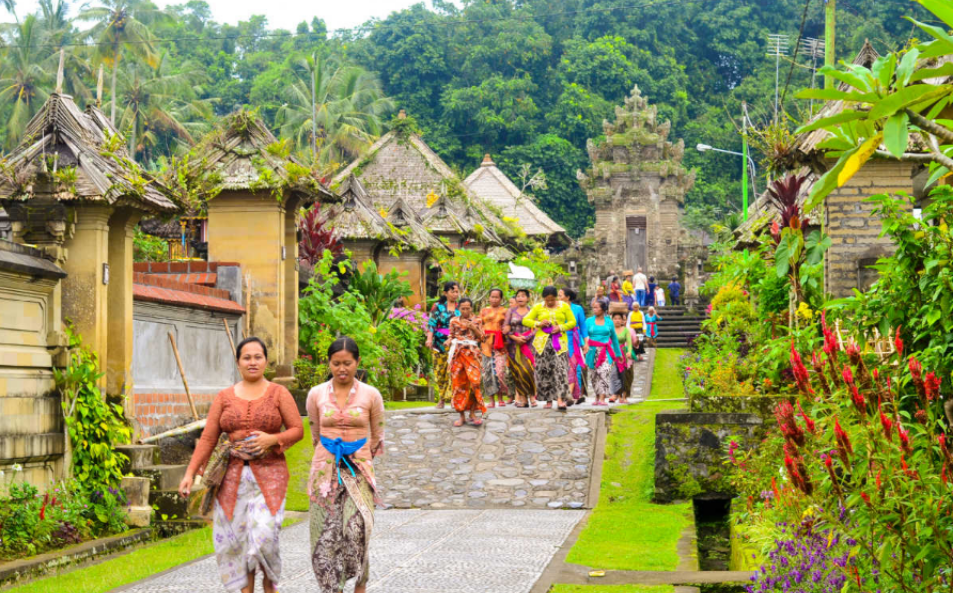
(628, 289)
(626, 373)
(520, 351)
(438, 330)
(494, 365)
(650, 293)
(466, 334)
(242, 455)
(659, 296)
(347, 431)
(551, 319)
(651, 326)
(577, 345)
(641, 284)
(637, 323)
(604, 353)
(675, 291)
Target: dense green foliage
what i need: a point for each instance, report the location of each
(520, 80)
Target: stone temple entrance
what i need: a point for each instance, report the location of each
(635, 234)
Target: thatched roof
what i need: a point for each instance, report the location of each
(354, 218)
(494, 187)
(247, 156)
(412, 228)
(403, 167)
(64, 155)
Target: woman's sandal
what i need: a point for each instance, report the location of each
(548, 406)
(476, 421)
(458, 423)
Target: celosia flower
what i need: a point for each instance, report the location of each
(847, 375)
(808, 422)
(866, 498)
(784, 414)
(844, 447)
(921, 416)
(800, 372)
(904, 438)
(931, 385)
(898, 343)
(887, 424)
(853, 352)
(916, 371)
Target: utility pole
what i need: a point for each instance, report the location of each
(814, 48)
(830, 23)
(777, 47)
(744, 160)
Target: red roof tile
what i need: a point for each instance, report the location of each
(158, 294)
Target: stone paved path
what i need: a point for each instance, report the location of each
(415, 551)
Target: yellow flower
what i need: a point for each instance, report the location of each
(372, 329)
(382, 212)
(804, 311)
(432, 198)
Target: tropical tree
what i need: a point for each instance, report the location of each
(122, 25)
(347, 115)
(156, 103)
(25, 75)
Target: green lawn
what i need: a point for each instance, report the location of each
(401, 405)
(612, 589)
(626, 531)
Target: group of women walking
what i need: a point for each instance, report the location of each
(524, 354)
(241, 455)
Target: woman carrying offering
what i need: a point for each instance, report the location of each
(247, 477)
(551, 319)
(438, 330)
(624, 334)
(520, 351)
(577, 345)
(637, 323)
(347, 430)
(466, 334)
(604, 354)
(494, 349)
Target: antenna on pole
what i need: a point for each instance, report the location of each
(99, 87)
(314, 111)
(777, 47)
(814, 48)
(59, 72)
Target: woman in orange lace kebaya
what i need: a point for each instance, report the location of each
(494, 364)
(347, 429)
(466, 333)
(250, 504)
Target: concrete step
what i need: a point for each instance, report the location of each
(140, 456)
(163, 477)
(137, 490)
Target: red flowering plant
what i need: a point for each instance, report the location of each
(863, 453)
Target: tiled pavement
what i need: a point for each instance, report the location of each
(414, 551)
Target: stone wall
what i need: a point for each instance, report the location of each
(690, 452)
(159, 401)
(763, 406)
(854, 229)
(31, 422)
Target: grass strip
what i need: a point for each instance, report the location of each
(626, 530)
(612, 589)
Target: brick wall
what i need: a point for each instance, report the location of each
(158, 412)
(854, 229)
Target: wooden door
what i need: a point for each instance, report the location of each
(635, 250)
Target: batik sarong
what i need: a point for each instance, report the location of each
(341, 533)
(465, 375)
(249, 541)
(552, 374)
(604, 378)
(441, 375)
(490, 381)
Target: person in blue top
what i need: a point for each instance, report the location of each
(577, 345)
(604, 353)
(438, 330)
(675, 291)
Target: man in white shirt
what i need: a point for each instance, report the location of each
(641, 285)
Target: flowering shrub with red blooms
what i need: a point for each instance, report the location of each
(891, 497)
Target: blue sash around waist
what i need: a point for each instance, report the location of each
(341, 450)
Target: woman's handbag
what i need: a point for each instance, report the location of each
(215, 470)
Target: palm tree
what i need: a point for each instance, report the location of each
(10, 6)
(122, 25)
(25, 70)
(348, 111)
(156, 104)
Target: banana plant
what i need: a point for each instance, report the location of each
(899, 95)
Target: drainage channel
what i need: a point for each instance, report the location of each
(712, 527)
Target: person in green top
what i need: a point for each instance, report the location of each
(626, 344)
(551, 319)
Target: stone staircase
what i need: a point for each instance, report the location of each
(678, 324)
(163, 480)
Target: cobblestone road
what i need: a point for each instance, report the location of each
(414, 551)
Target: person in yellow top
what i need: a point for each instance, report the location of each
(636, 321)
(552, 319)
(628, 289)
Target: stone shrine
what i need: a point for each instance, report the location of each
(637, 184)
